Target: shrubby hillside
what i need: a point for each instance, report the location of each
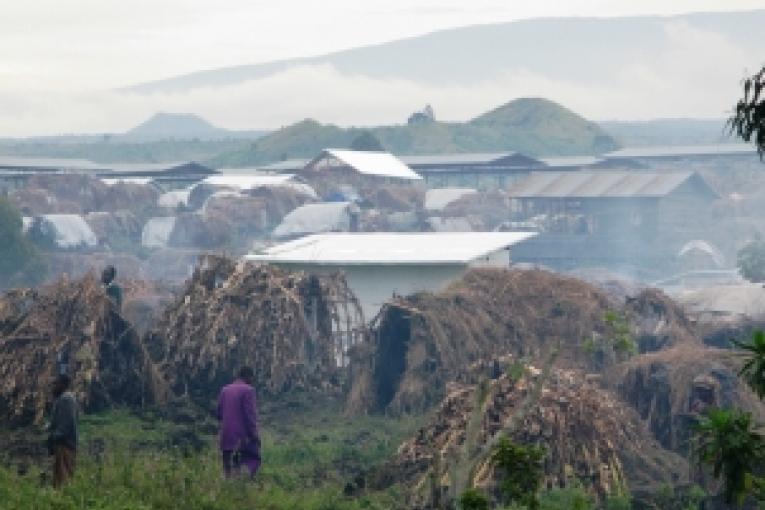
(530, 125)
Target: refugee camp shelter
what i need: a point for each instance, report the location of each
(62, 231)
(608, 218)
(381, 265)
(473, 170)
(318, 218)
(169, 176)
(15, 171)
(437, 199)
(157, 231)
(246, 181)
(285, 166)
(357, 168)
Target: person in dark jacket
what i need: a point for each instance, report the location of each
(239, 440)
(62, 432)
(113, 290)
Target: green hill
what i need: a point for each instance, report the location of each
(537, 127)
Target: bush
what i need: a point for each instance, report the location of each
(751, 261)
(474, 499)
(522, 468)
(572, 498)
(20, 262)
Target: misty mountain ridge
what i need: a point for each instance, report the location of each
(181, 126)
(669, 132)
(533, 126)
(592, 49)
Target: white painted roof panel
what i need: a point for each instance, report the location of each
(391, 248)
(382, 164)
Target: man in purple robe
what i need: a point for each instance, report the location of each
(237, 413)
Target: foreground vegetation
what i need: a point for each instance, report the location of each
(130, 462)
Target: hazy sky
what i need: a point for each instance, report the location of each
(52, 51)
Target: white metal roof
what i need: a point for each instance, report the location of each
(571, 161)
(671, 151)
(290, 165)
(247, 181)
(391, 248)
(460, 158)
(127, 180)
(382, 164)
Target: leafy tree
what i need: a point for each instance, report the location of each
(751, 261)
(19, 260)
(366, 141)
(424, 116)
(622, 339)
(474, 499)
(522, 469)
(753, 369)
(729, 444)
(570, 498)
(748, 120)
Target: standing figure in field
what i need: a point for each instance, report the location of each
(113, 290)
(238, 417)
(62, 432)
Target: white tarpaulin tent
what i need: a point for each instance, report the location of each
(156, 233)
(314, 219)
(246, 182)
(66, 230)
(437, 199)
(174, 199)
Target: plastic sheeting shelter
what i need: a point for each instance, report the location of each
(246, 182)
(67, 231)
(156, 233)
(174, 199)
(437, 199)
(314, 219)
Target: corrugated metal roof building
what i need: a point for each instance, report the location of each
(611, 219)
(581, 185)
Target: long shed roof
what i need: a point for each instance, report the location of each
(605, 184)
(678, 151)
(504, 159)
(377, 248)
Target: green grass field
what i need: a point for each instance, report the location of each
(129, 462)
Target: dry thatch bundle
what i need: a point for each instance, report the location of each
(672, 387)
(659, 322)
(421, 342)
(284, 325)
(72, 323)
(589, 436)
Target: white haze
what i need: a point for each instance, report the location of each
(696, 77)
